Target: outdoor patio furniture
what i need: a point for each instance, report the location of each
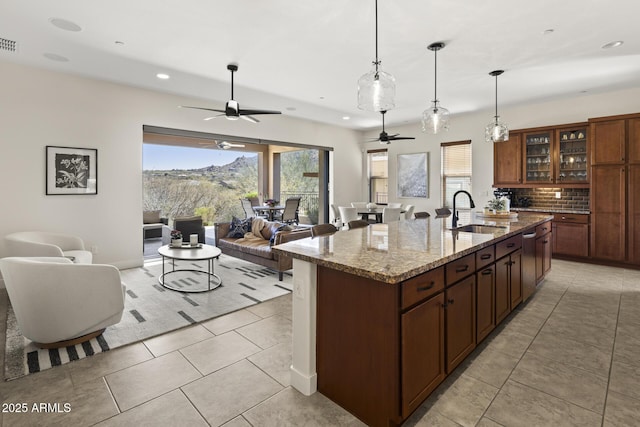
(290, 213)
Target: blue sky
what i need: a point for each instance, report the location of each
(163, 157)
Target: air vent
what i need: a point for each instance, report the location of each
(8, 45)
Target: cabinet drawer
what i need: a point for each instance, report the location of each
(509, 245)
(460, 268)
(543, 228)
(422, 287)
(485, 256)
(572, 218)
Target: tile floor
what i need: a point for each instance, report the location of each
(570, 356)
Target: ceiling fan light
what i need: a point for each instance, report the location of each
(435, 119)
(376, 90)
(496, 131)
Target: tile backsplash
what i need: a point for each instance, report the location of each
(570, 198)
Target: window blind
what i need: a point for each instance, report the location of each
(456, 171)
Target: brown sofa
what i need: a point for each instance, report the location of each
(258, 250)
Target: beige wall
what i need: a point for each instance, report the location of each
(471, 127)
(40, 108)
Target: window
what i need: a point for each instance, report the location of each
(456, 172)
(378, 175)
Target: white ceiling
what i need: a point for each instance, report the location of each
(305, 57)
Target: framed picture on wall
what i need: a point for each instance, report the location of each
(71, 170)
(413, 175)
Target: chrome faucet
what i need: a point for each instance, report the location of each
(455, 218)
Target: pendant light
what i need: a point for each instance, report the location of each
(436, 118)
(376, 89)
(496, 131)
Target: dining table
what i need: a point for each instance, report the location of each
(365, 213)
(269, 211)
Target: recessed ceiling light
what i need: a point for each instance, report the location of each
(163, 76)
(64, 24)
(322, 97)
(346, 117)
(119, 43)
(56, 57)
(548, 31)
(613, 44)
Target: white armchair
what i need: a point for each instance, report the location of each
(59, 303)
(46, 244)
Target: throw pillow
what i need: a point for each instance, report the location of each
(239, 227)
(257, 224)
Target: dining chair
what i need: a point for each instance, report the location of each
(359, 205)
(358, 223)
(322, 229)
(421, 215)
(336, 214)
(248, 208)
(390, 215)
(394, 205)
(347, 214)
(290, 213)
(408, 214)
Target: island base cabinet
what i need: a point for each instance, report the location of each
(485, 306)
(460, 320)
(357, 345)
(503, 298)
(422, 349)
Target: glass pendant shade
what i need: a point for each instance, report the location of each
(376, 90)
(435, 118)
(496, 131)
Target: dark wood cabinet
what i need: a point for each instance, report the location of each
(515, 279)
(615, 208)
(528, 264)
(571, 235)
(460, 318)
(540, 157)
(544, 250)
(485, 302)
(503, 305)
(507, 161)
(422, 352)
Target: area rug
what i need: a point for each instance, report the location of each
(152, 310)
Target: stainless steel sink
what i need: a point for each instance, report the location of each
(479, 228)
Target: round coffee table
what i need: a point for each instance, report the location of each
(201, 253)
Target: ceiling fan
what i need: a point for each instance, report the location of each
(223, 145)
(232, 110)
(385, 138)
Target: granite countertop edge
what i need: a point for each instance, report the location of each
(553, 210)
(395, 278)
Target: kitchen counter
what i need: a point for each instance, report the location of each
(400, 250)
(551, 210)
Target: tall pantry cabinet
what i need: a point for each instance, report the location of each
(615, 188)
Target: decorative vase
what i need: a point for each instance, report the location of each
(176, 242)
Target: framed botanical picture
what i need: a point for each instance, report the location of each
(413, 175)
(71, 170)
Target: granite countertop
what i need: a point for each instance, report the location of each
(552, 210)
(400, 250)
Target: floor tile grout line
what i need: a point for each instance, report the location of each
(193, 405)
(613, 348)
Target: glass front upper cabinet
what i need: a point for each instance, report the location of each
(537, 161)
(572, 156)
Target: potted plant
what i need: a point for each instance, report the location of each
(270, 202)
(496, 205)
(176, 238)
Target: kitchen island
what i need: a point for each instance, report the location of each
(382, 314)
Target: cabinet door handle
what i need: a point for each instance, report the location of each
(462, 269)
(568, 218)
(510, 245)
(426, 288)
(545, 241)
(487, 272)
(450, 301)
(485, 256)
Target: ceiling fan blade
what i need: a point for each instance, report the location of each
(394, 135)
(398, 138)
(244, 112)
(249, 118)
(202, 108)
(213, 117)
